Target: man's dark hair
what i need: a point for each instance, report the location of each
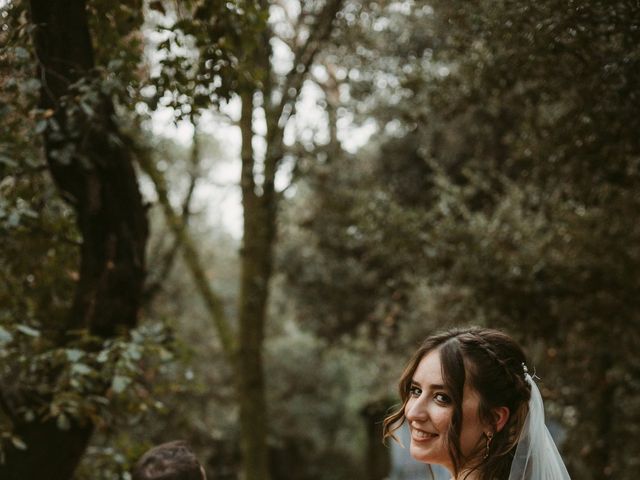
(169, 461)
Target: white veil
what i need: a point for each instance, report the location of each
(536, 456)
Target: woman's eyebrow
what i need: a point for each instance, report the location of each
(435, 386)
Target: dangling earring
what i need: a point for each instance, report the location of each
(489, 438)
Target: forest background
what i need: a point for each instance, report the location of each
(400, 167)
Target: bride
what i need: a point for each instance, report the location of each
(472, 406)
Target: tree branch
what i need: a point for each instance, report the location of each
(277, 118)
(303, 61)
(155, 286)
(213, 302)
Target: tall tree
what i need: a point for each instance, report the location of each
(261, 89)
(91, 165)
(260, 205)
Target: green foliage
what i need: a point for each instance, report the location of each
(500, 191)
(18, 91)
(40, 242)
(116, 34)
(47, 373)
(113, 78)
(84, 381)
(139, 370)
(315, 418)
(208, 55)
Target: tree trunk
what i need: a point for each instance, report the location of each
(256, 271)
(260, 207)
(97, 177)
(256, 266)
(51, 454)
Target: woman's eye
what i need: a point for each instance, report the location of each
(415, 391)
(442, 398)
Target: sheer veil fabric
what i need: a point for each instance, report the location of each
(536, 456)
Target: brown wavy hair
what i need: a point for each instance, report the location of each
(491, 362)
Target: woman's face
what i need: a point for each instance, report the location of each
(429, 411)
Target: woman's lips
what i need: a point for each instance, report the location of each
(422, 435)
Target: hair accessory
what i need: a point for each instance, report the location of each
(526, 372)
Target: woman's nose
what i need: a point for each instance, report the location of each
(416, 409)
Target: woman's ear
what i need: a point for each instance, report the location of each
(500, 417)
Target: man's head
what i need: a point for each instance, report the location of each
(169, 461)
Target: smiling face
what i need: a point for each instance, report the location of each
(429, 410)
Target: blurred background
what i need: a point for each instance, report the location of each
(326, 183)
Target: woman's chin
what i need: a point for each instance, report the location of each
(425, 454)
(420, 453)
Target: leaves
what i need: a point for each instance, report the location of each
(5, 336)
(73, 354)
(18, 443)
(80, 369)
(120, 383)
(32, 332)
(208, 57)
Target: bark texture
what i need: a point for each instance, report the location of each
(256, 268)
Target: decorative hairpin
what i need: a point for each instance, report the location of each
(526, 372)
